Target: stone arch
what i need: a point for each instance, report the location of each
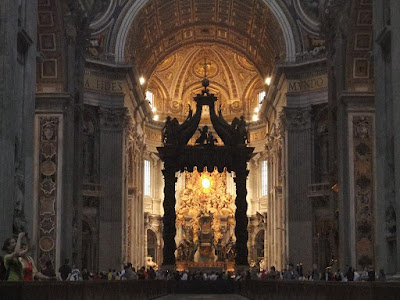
(120, 33)
(151, 243)
(156, 243)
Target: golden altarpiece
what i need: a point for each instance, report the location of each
(205, 221)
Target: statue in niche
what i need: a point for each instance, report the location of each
(203, 135)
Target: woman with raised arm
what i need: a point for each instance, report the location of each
(29, 269)
(12, 264)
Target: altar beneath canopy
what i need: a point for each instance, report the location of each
(205, 221)
(232, 157)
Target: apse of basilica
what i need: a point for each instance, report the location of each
(202, 133)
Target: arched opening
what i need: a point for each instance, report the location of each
(259, 245)
(151, 244)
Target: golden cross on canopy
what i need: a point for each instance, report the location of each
(205, 66)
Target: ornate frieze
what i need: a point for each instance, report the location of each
(363, 155)
(48, 187)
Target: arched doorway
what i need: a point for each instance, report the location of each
(151, 244)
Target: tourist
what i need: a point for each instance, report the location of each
(75, 274)
(339, 275)
(371, 274)
(110, 275)
(350, 274)
(291, 273)
(382, 275)
(151, 274)
(315, 275)
(364, 274)
(272, 274)
(65, 270)
(29, 269)
(13, 266)
(184, 276)
(49, 270)
(85, 274)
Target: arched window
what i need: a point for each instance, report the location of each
(147, 178)
(150, 98)
(264, 178)
(261, 96)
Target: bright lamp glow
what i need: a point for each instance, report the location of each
(155, 118)
(206, 183)
(255, 118)
(142, 80)
(268, 80)
(154, 109)
(257, 110)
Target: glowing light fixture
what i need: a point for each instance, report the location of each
(154, 109)
(257, 110)
(142, 80)
(268, 80)
(255, 118)
(206, 183)
(155, 118)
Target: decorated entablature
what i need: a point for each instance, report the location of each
(205, 195)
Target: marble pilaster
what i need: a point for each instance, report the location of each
(111, 170)
(298, 177)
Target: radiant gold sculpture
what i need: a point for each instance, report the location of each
(205, 196)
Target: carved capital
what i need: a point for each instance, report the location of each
(297, 118)
(113, 118)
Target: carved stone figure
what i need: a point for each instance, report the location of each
(203, 135)
(170, 130)
(210, 139)
(242, 130)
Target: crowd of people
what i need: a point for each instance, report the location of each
(349, 274)
(17, 265)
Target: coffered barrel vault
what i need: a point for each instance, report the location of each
(250, 27)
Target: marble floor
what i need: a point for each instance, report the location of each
(203, 297)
